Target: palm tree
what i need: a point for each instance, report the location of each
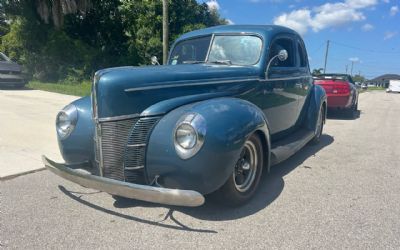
(317, 72)
(56, 9)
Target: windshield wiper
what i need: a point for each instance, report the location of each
(225, 62)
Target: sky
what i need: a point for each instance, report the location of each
(365, 33)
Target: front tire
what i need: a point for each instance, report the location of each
(242, 184)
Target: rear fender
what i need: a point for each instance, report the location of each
(318, 99)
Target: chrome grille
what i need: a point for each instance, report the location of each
(114, 136)
(134, 162)
(121, 148)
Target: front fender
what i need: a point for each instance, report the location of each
(79, 146)
(229, 121)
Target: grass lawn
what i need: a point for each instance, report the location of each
(376, 88)
(82, 89)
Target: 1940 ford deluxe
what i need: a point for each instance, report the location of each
(231, 102)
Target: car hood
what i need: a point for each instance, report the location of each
(10, 66)
(130, 90)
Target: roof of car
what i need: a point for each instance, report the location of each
(263, 30)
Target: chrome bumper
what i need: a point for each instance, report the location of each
(160, 195)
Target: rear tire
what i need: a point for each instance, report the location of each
(319, 126)
(243, 182)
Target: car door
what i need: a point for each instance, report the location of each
(305, 81)
(280, 88)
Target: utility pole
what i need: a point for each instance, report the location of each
(326, 55)
(165, 31)
(351, 71)
(347, 66)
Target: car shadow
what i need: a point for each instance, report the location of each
(340, 115)
(270, 188)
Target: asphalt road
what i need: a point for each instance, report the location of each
(343, 193)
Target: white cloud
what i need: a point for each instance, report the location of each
(230, 21)
(354, 59)
(213, 5)
(367, 27)
(389, 35)
(298, 20)
(359, 4)
(325, 16)
(394, 10)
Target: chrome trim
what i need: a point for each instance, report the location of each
(117, 118)
(137, 145)
(134, 168)
(99, 144)
(160, 195)
(198, 123)
(209, 47)
(282, 79)
(185, 84)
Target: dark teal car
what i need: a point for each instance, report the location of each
(232, 101)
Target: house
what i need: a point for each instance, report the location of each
(383, 80)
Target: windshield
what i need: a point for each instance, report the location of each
(225, 49)
(3, 58)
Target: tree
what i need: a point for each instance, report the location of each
(70, 39)
(4, 26)
(358, 78)
(317, 72)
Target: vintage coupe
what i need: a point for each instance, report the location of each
(341, 91)
(232, 101)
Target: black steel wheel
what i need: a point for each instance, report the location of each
(319, 127)
(243, 182)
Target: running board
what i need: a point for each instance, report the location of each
(283, 149)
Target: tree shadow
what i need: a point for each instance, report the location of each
(341, 115)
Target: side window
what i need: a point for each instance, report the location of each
(278, 45)
(301, 55)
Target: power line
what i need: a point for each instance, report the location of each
(365, 50)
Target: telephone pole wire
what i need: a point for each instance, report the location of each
(326, 55)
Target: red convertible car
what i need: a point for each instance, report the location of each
(341, 92)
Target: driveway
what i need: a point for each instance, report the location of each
(341, 194)
(27, 130)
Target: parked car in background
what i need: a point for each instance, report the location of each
(364, 86)
(231, 101)
(394, 86)
(341, 91)
(10, 73)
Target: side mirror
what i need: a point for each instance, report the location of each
(154, 60)
(282, 56)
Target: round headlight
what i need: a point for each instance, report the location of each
(189, 135)
(66, 121)
(186, 136)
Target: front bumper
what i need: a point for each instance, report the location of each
(11, 80)
(160, 195)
